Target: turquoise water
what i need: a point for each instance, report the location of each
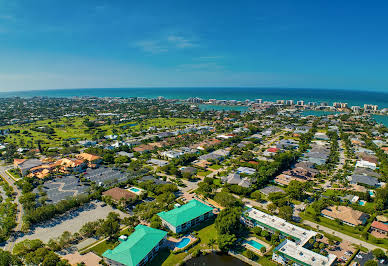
(183, 242)
(134, 189)
(361, 203)
(352, 97)
(381, 119)
(254, 244)
(318, 113)
(210, 107)
(371, 193)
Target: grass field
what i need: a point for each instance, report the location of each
(75, 129)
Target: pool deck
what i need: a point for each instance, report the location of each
(247, 246)
(172, 242)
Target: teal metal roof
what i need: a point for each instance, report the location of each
(185, 213)
(131, 251)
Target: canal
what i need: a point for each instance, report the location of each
(215, 259)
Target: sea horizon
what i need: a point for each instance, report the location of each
(350, 96)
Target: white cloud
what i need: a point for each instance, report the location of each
(180, 42)
(165, 44)
(153, 47)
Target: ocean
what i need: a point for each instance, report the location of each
(352, 97)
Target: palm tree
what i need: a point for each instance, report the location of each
(211, 243)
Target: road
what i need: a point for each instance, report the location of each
(18, 193)
(341, 235)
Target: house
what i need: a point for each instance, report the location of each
(246, 170)
(186, 216)
(271, 151)
(88, 143)
(157, 162)
(188, 169)
(271, 189)
(379, 227)
(350, 198)
(118, 193)
(363, 180)
(236, 179)
(156, 181)
(93, 160)
(287, 144)
(321, 136)
(285, 180)
(368, 157)
(173, 154)
(366, 164)
(203, 164)
(126, 154)
(217, 155)
(138, 249)
(72, 164)
(143, 148)
(25, 165)
(345, 214)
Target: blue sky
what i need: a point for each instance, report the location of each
(47, 44)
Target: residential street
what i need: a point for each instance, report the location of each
(341, 235)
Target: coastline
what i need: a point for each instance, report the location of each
(353, 97)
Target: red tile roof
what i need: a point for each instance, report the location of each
(380, 225)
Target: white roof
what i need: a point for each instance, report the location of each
(282, 225)
(303, 254)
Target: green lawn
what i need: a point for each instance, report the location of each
(217, 182)
(102, 247)
(204, 173)
(215, 166)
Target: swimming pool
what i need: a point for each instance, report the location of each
(254, 244)
(183, 242)
(362, 202)
(371, 193)
(133, 189)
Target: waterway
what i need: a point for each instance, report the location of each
(381, 119)
(318, 113)
(214, 107)
(215, 260)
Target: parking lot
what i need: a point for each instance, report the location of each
(61, 188)
(105, 175)
(71, 221)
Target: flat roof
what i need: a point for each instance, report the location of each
(185, 213)
(133, 250)
(276, 223)
(303, 255)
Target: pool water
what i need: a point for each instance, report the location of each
(134, 189)
(183, 242)
(254, 244)
(361, 202)
(371, 193)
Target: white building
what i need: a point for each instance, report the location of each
(290, 253)
(366, 164)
